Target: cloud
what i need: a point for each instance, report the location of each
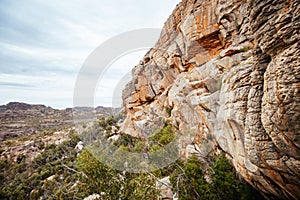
(18, 85)
(20, 59)
(44, 43)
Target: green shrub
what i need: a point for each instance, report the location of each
(4, 164)
(23, 178)
(225, 182)
(189, 182)
(125, 140)
(245, 49)
(162, 137)
(169, 111)
(140, 146)
(78, 177)
(110, 120)
(100, 178)
(5, 192)
(1, 150)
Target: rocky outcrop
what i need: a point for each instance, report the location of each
(228, 72)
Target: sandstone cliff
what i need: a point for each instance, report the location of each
(229, 72)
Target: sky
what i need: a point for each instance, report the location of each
(43, 45)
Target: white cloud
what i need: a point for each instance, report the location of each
(44, 43)
(51, 90)
(114, 79)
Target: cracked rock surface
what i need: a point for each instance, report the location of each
(229, 72)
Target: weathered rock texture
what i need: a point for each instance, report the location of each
(227, 70)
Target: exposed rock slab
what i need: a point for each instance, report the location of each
(228, 72)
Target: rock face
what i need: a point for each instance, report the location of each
(229, 72)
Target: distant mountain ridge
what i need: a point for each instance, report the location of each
(18, 118)
(26, 106)
(21, 106)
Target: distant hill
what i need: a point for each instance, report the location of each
(17, 118)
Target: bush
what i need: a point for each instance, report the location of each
(78, 177)
(189, 182)
(28, 179)
(169, 111)
(225, 182)
(1, 150)
(163, 136)
(101, 179)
